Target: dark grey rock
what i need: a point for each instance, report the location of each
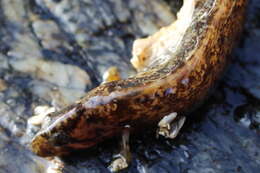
(84, 38)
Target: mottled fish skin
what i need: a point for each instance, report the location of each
(141, 101)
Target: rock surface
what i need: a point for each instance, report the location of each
(53, 51)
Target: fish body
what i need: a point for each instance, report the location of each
(177, 67)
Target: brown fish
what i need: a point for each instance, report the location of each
(177, 66)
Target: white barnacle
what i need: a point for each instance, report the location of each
(165, 122)
(170, 125)
(40, 112)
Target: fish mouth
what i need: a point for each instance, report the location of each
(41, 146)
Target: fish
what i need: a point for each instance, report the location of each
(177, 67)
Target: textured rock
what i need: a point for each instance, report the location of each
(52, 51)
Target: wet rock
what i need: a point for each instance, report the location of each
(53, 51)
(58, 96)
(146, 20)
(53, 72)
(248, 116)
(13, 158)
(49, 34)
(3, 62)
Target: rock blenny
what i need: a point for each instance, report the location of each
(177, 66)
